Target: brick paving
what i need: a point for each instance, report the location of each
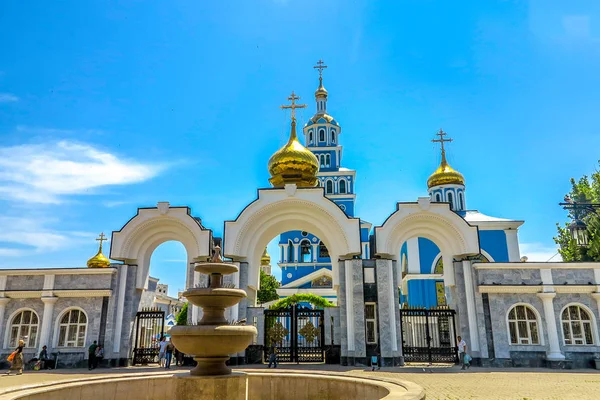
(440, 383)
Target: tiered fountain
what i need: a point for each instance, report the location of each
(214, 338)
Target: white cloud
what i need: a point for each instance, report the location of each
(21, 236)
(45, 173)
(8, 98)
(539, 252)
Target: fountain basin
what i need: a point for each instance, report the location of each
(212, 341)
(216, 268)
(214, 297)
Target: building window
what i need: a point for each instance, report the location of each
(371, 322)
(310, 137)
(342, 186)
(438, 198)
(24, 325)
(322, 135)
(323, 252)
(451, 200)
(577, 326)
(305, 251)
(72, 329)
(369, 275)
(290, 257)
(322, 160)
(523, 325)
(461, 201)
(327, 160)
(332, 136)
(342, 207)
(329, 187)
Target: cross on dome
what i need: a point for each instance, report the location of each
(293, 106)
(101, 239)
(442, 140)
(320, 66)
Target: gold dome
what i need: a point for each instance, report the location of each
(99, 260)
(445, 175)
(321, 91)
(265, 258)
(293, 163)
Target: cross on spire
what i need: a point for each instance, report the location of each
(442, 140)
(320, 66)
(101, 239)
(293, 106)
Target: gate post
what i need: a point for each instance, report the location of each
(428, 337)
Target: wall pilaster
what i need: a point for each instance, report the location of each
(554, 352)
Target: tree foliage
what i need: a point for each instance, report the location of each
(317, 301)
(268, 288)
(585, 190)
(181, 318)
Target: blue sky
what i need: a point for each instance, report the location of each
(108, 106)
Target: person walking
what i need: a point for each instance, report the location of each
(92, 355)
(462, 352)
(43, 357)
(16, 359)
(273, 356)
(162, 348)
(169, 354)
(99, 355)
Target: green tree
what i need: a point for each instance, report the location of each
(585, 190)
(181, 318)
(268, 288)
(315, 300)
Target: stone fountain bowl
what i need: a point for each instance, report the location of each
(212, 341)
(214, 297)
(216, 268)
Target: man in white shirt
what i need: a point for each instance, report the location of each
(162, 350)
(462, 350)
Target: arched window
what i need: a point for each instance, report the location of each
(438, 197)
(342, 186)
(290, 257)
(461, 201)
(523, 325)
(332, 136)
(577, 325)
(322, 135)
(24, 325)
(451, 200)
(323, 252)
(322, 160)
(327, 160)
(309, 136)
(72, 329)
(329, 187)
(305, 251)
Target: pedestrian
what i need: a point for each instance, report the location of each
(43, 357)
(162, 347)
(462, 352)
(273, 356)
(92, 355)
(169, 355)
(16, 359)
(99, 355)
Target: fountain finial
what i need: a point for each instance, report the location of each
(216, 258)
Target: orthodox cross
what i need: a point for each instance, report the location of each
(293, 106)
(441, 140)
(101, 239)
(320, 66)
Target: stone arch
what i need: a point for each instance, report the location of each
(141, 235)
(435, 221)
(281, 210)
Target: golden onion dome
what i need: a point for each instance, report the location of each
(321, 91)
(265, 259)
(445, 175)
(293, 163)
(99, 260)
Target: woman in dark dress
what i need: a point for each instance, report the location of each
(17, 362)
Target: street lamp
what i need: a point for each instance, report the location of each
(578, 228)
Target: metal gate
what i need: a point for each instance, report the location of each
(428, 335)
(297, 333)
(149, 329)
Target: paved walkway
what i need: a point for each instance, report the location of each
(440, 383)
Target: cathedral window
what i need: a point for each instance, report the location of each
(24, 325)
(371, 322)
(577, 325)
(332, 136)
(329, 187)
(323, 252)
(72, 329)
(523, 325)
(322, 160)
(461, 201)
(342, 186)
(322, 135)
(310, 137)
(305, 251)
(290, 257)
(451, 200)
(327, 160)
(438, 198)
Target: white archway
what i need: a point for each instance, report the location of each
(435, 221)
(151, 227)
(282, 210)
